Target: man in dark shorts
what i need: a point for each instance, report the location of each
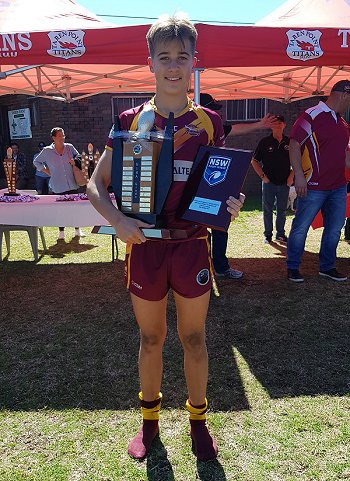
(155, 266)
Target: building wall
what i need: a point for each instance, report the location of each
(90, 119)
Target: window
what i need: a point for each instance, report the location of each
(247, 109)
(119, 104)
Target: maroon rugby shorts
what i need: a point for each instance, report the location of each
(152, 268)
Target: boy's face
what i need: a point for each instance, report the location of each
(172, 65)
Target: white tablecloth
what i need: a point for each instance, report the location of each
(46, 211)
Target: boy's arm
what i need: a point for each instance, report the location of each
(128, 229)
(265, 123)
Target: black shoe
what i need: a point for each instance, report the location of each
(295, 276)
(333, 274)
(282, 238)
(268, 239)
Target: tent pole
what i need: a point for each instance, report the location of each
(197, 83)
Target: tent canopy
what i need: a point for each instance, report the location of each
(78, 55)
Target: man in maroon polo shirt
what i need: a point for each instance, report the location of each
(318, 155)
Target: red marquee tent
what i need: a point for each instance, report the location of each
(62, 51)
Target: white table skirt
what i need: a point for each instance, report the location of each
(46, 211)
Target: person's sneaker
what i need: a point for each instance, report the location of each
(79, 233)
(282, 238)
(230, 274)
(333, 274)
(60, 235)
(268, 240)
(295, 276)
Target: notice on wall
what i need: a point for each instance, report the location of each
(19, 124)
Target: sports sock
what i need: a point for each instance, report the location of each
(140, 445)
(203, 444)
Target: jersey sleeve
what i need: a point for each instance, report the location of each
(302, 128)
(219, 136)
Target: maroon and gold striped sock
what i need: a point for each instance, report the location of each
(203, 444)
(140, 445)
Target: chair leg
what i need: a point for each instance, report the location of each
(7, 240)
(33, 237)
(41, 230)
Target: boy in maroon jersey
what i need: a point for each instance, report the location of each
(155, 266)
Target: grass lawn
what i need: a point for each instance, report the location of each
(279, 367)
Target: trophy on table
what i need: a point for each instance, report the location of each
(10, 172)
(142, 171)
(89, 161)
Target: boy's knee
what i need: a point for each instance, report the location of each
(194, 341)
(151, 341)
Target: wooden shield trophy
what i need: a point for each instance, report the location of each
(142, 171)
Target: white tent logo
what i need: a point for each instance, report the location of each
(67, 44)
(304, 44)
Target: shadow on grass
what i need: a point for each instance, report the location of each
(158, 464)
(69, 338)
(210, 471)
(63, 248)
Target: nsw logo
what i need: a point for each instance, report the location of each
(67, 44)
(304, 44)
(216, 169)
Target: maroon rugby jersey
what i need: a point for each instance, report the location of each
(323, 136)
(194, 126)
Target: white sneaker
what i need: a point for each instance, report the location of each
(60, 235)
(79, 233)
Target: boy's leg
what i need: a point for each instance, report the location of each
(191, 317)
(192, 314)
(151, 318)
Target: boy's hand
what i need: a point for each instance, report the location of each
(234, 205)
(128, 230)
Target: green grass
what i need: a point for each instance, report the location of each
(279, 368)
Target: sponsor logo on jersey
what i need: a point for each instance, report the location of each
(136, 285)
(182, 169)
(216, 169)
(304, 44)
(67, 44)
(193, 130)
(203, 277)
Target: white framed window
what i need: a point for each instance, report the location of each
(126, 102)
(246, 109)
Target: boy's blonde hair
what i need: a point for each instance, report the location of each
(168, 28)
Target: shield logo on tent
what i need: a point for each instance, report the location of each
(67, 44)
(216, 169)
(304, 44)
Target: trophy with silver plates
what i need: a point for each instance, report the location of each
(142, 170)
